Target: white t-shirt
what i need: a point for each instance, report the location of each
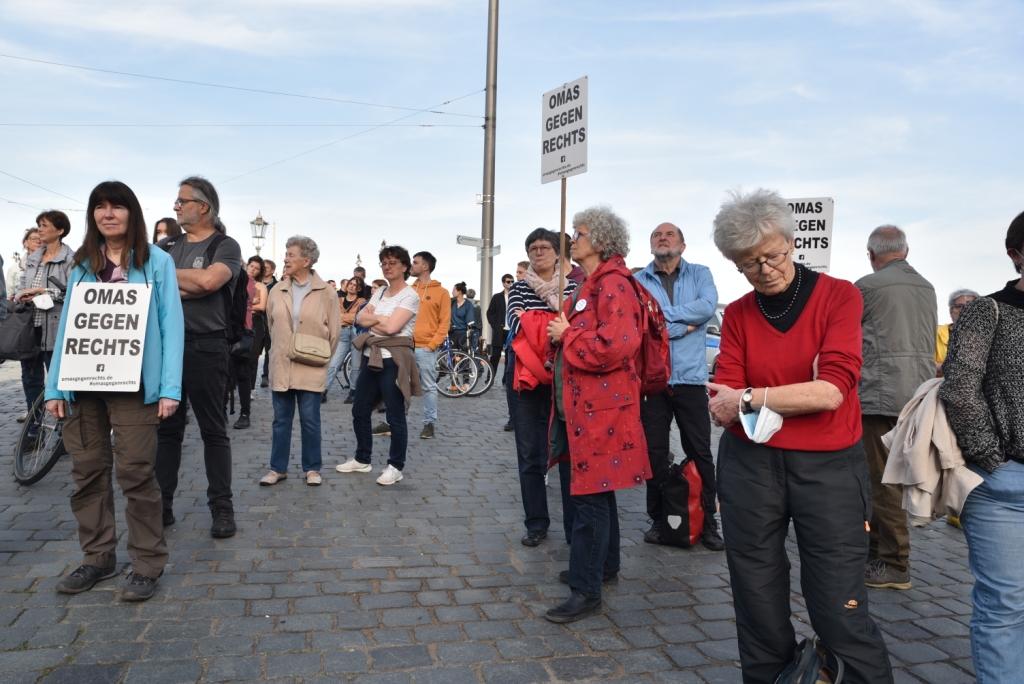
(385, 306)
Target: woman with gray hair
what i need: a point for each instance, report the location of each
(786, 390)
(305, 326)
(957, 301)
(596, 419)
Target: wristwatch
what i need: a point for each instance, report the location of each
(747, 397)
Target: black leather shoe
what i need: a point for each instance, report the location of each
(223, 520)
(509, 427)
(168, 517)
(613, 578)
(84, 577)
(653, 535)
(710, 537)
(350, 398)
(576, 607)
(534, 537)
(242, 422)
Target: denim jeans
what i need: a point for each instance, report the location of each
(204, 378)
(595, 542)
(371, 387)
(993, 520)
(309, 424)
(344, 345)
(426, 362)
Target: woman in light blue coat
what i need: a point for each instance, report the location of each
(116, 249)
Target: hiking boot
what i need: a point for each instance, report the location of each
(242, 422)
(138, 587)
(710, 537)
(382, 430)
(653, 535)
(350, 398)
(428, 431)
(390, 476)
(223, 520)
(353, 466)
(168, 517)
(880, 575)
(84, 577)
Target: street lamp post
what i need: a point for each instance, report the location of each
(259, 232)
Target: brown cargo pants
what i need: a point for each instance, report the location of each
(87, 439)
(890, 537)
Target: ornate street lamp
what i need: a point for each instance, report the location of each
(259, 232)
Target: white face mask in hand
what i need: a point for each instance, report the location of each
(760, 425)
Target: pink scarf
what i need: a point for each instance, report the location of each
(547, 290)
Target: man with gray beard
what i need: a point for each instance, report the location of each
(687, 295)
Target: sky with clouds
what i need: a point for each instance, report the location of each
(903, 111)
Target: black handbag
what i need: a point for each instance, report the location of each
(242, 349)
(18, 336)
(813, 663)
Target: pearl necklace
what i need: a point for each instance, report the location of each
(795, 292)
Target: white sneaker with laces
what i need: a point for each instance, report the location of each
(390, 476)
(353, 466)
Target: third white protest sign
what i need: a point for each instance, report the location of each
(564, 131)
(813, 218)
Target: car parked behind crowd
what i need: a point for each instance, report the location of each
(714, 338)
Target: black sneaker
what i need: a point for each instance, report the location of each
(653, 535)
(84, 577)
(242, 422)
(509, 427)
(427, 433)
(382, 430)
(138, 587)
(350, 398)
(710, 537)
(223, 520)
(168, 517)
(323, 397)
(265, 381)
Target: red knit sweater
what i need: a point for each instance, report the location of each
(754, 354)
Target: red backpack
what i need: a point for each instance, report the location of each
(654, 362)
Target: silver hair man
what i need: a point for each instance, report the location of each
(307, 248)
(203, 191)
(962, 292)
(888, 239)
(608, 232)
(748, 219)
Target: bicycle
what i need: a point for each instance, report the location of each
(456, 371)
(485, 373)
(36, 454)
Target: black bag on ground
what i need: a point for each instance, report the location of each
(813, 663)
(18, 336)
(682, 505)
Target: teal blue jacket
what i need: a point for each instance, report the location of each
(164, 349)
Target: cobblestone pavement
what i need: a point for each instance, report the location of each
(423, 581)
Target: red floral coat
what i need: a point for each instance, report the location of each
(600, 386)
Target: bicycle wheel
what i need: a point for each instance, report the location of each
(345, 369)
(484, 377)
(456, 374)
(34, 457)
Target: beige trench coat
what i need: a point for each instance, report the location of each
(319, 315)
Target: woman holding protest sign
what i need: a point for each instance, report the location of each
(116, 249)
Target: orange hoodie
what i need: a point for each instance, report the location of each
(434, 316)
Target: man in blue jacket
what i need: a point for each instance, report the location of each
(688, 296)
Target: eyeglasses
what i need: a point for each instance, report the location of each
(540, 249)
(958, 307)
(773, 261)
(390, 264)
(576, 235)
(182, 202)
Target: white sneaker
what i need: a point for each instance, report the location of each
(390, 476)
(353, 466)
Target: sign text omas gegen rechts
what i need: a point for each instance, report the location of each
(564, 131)
(104, 336)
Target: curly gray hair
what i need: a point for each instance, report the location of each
(747, 220)
(608, 231)
(306, 246)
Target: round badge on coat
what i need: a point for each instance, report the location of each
(581, 305)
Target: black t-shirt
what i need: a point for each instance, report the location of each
(782, 310)
(1010, 295)
(205, 314)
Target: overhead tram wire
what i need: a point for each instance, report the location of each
(41, 187)
(63, 125)
(229, 87)
(348, 137)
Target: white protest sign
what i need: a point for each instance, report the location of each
(564, 131)
(813, 218)
(104, 336)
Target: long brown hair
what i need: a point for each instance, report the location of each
(136, 239)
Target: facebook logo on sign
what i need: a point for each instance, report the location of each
(100, 367)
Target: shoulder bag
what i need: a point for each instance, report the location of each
(18, 336)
